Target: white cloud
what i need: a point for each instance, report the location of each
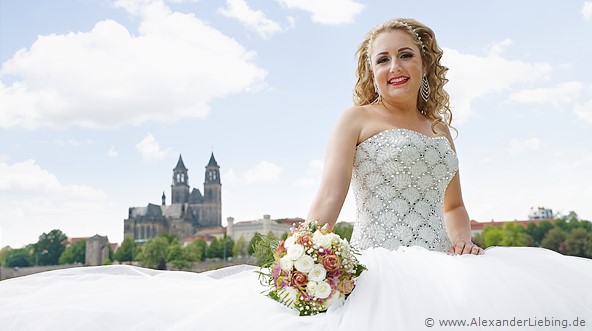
(584, 111)
(519, 146)
(150, 149)
(41, 202)
(264, 172)
(564, 93)
(327, 11)
(112, 152)
(108, 77)
(28, 177)
(252, 19)
(312, 175)
(587, 10)
(473, 76)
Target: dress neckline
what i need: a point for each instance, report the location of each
(372, 137)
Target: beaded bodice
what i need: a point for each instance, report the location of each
(399, 178)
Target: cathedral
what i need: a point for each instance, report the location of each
(189, 211)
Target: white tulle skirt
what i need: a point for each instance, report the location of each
(407, 289)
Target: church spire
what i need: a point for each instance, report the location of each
(181, 166)
(212, 162)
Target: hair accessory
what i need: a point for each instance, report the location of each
(415, 33)
(425, 88)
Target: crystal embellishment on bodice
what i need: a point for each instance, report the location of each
(399, 178)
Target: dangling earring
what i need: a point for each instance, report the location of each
(425, 88)
(378, 99)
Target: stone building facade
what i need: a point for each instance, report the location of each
(189, 211)
(97, 250)
(263, 226)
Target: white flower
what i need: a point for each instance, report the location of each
(289, 242)
(333, 300)
(288, 295)
(317, 273)
(323, 290)
(311, 287)
(286, 263)
(335, 239)
(295, 251)
(321, 239)
(304, 263)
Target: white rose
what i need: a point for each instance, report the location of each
(286, 263)
(295, 251)
(288, 295)
(317, 273)
(289, 242)
(321, 239)
(323, 290)
(304, 263)
(311, 287)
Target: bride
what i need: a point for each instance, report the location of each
(396, 150)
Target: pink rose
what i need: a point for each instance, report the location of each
(299, 279)
(331, 262)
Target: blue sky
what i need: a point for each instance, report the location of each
(98, 98)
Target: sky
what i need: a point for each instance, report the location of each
(98, 98)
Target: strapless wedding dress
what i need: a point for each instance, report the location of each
(412, 283)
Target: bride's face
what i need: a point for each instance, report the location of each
(396, 65)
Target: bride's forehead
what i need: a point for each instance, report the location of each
(394, 39)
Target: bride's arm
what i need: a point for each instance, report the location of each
(456, 218)
(337, 170)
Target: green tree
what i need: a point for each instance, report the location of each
(492, 236)
(344, 230)
(175, 255)
(226, 247)
(194, 251)
(254, 240)
(241, 247)
(214, 249)
(538, 231)
(203, 245)
(578, 242)
(514, 235)
(4, 253)
(154, 253)
(75, 253)
(127, 251)
(554, 240)
(20, 257)
(50, 247)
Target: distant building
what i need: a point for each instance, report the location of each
(540, 213)
(188, 213)
(97, 250)
(263, 226)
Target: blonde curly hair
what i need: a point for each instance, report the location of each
(437, 108)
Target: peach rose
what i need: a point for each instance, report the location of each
(304, 241)
(346, 286)
(331, 262)
(299, 279)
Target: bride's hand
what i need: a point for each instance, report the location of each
(466, 247)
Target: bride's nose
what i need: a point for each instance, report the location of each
(395, 66)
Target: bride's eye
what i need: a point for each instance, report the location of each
(382, 60)
(406, 56)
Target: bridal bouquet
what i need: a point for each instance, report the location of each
(311, 270)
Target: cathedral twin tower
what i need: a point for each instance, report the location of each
(188, 212)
